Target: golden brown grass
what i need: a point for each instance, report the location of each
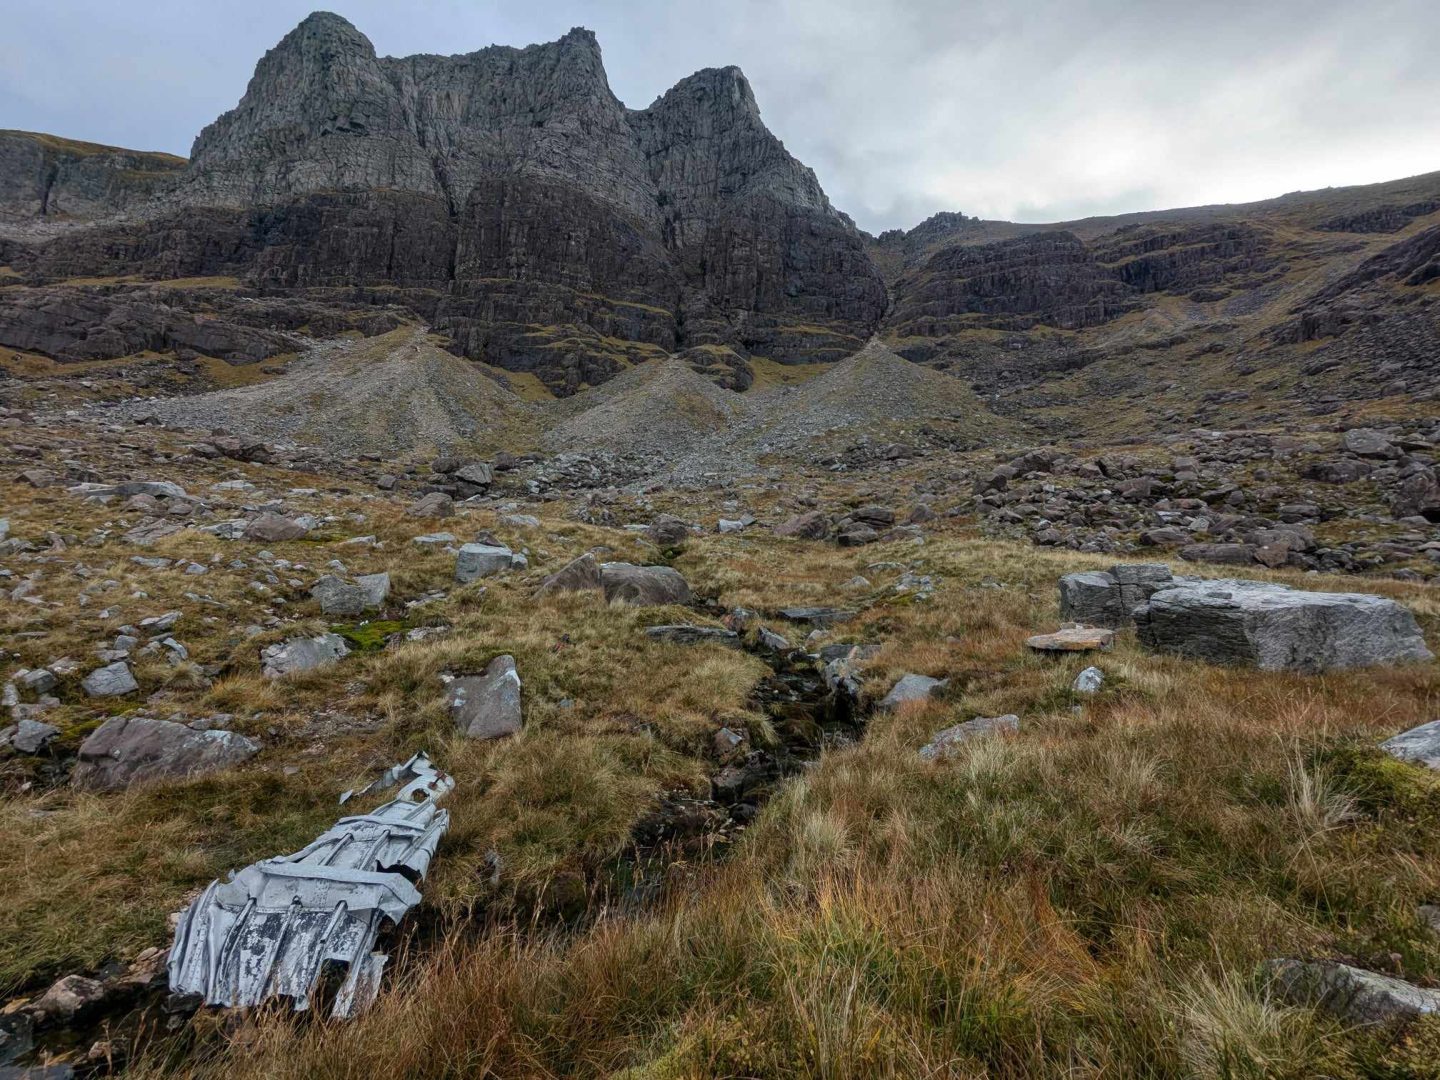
(1088, 898)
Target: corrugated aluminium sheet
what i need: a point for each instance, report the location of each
(274, 927)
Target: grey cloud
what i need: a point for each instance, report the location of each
(1046, 110)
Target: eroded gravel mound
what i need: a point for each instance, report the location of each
(390, 394)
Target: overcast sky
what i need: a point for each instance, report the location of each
(1031, 110)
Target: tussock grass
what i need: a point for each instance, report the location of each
(1089, 897)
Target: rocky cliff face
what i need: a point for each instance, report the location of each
(45, 179)
(523, 208)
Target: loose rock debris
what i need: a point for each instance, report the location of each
(274, 928)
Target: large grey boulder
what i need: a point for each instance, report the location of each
(944, 742)
(647, 586)
(270, 527)
(578, 575)
(482, 560)
(339, 597)
(301, 654)
(1107, 598)
(1276, 628)
(133, 749)
(487, 706)
(1420, 745)
(667, 531)
(113, 680)
(1353, 994)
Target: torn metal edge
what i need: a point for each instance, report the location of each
(277, 926)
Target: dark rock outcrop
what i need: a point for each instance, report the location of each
(518, 205)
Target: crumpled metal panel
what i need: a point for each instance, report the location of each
(273, 928)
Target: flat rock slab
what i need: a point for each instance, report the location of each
(113, 680)
(127, 750)
(487, 706)
(647, 586)
(1420, 745)
(1276, 628)
(694, 635)
(1353, 994)
(301, 654)
(1073, 639)
(816, 616)
(943, 742)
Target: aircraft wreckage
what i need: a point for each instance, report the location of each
(278, 926)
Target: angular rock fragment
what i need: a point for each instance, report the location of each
(1353, 994)
(128, 750)
(812, 525)
(339, 597)
(29, 736)
(579, 575)
(1420, 745)
(1276, 628)
(270, 527)
(482, 560)
(301, 654)
(943, 742)
(487, 706)
(113, 680)
(435, 504)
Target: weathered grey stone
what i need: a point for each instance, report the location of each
(667, 531)
(435, 504)
(1420, 745)
(911, 688)
(1368, 442)
(66, 998)
(477, 473)
(337, 596)
(31, 736)
(1106, 598)
(487, 706)
(159, 489)
(1092, 597)
(482, 560)
(133, 749)
(943, 742)
(694, 635)
(643, 585)
(812, 525)
(578, 575)
(270, 527)
(301, 654)
(1088, 681)
(113, 680)
(1353, 994)
(1274, 628)
(816, 616)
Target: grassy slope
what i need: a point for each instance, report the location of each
(1089, 898)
